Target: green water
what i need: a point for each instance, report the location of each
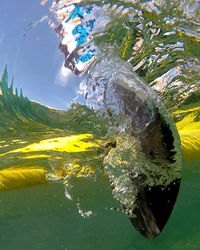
(39, 216)
(24, 122)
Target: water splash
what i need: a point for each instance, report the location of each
(146, 158)
(157, 37)
(84, 214)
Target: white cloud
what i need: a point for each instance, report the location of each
(63, 76)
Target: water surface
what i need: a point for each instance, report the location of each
(43, 150)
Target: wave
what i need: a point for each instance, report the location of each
(134, 54)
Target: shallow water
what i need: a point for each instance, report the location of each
(41, 218)
(59, 156)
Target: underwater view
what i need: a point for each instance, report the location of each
(99, 124)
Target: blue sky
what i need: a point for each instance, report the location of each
(34, 60)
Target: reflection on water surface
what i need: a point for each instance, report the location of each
(123, 131)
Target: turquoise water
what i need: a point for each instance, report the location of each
(71, 176)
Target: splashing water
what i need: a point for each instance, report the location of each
(157, 37)
(139, 61)
(114, 42)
